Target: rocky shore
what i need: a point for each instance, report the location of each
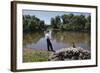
(71, 53)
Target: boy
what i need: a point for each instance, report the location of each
(49, 44)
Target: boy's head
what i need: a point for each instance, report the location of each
(47, 31)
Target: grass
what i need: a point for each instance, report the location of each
(34, 55)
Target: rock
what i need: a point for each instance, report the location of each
(70, 54)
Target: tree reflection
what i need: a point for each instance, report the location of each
(69, 37)
(34, 37)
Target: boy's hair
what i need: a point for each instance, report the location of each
(47, 31)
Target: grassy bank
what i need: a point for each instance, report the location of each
(34, 55)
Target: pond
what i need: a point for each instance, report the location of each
(60, 39)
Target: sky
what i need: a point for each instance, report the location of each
(47, 15)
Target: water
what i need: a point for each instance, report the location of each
(60, 39)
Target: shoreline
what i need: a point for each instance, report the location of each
(35, 55)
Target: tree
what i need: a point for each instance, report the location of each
(58, 21)
(53, 23)
(88, 23)
(42, 24)
(65, 19)
(82, 22)
(32, 23)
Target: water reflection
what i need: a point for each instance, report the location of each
(60, 39)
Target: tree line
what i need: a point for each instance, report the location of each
(68, 22)
(32, 23)
(71, 22)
